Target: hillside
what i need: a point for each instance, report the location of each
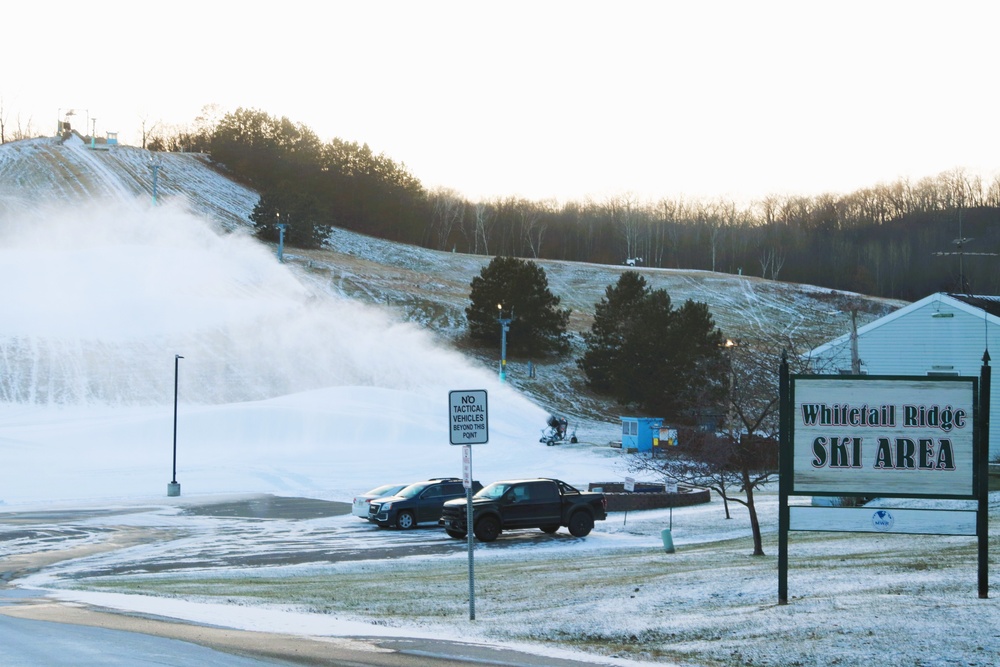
(44, 171)
(426, 287)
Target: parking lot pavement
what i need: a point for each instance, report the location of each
(245, 531)
(272, 507)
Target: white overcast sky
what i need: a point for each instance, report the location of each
(562, 100)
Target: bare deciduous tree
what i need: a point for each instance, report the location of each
(533, 225)
(771, 260)
(627, 214)
(19, 132)
(447, 211)
(3, 122)
(146, 129)
(739, 454)
(485, 218)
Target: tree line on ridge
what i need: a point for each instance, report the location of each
(899, 240)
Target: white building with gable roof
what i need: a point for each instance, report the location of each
(942, 334)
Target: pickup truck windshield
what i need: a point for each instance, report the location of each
(493, 491)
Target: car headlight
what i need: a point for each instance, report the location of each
(386, 506)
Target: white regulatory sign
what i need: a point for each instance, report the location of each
(468, 418)
(467, 467)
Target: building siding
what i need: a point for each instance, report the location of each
(936, 334)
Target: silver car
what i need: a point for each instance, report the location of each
(360, 506)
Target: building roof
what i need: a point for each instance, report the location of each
(987, 302)
(974, 305)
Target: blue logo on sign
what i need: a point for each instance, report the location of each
(882, 520)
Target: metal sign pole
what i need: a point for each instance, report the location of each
(982, 516)
(467, 455)
(784, 476)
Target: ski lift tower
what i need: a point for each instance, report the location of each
(155, 163)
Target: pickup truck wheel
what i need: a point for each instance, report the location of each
(580, 524)
(487, 529)
(457, 534)
(550, 529)
(405, 521)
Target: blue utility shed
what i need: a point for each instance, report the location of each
(641, 434)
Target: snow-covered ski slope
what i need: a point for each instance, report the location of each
(61, 186)
(46, 171)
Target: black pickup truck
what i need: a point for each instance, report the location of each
(525, 503)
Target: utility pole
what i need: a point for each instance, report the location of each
(855, 357)
(963, 283)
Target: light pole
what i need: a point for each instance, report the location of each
(504, 328)
(174, 488)
(731, 421)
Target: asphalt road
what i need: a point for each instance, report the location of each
(31, 643)
(35, 631)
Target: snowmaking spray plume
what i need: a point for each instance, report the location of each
(99, 300)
